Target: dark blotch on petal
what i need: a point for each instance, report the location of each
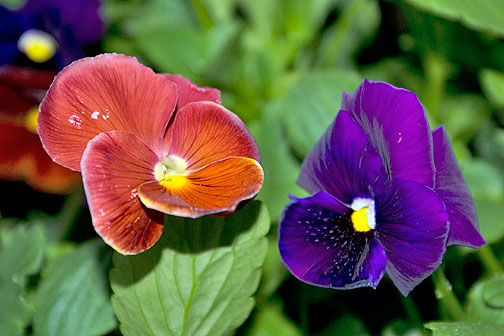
(319, 245)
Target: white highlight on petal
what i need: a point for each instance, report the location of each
(359, 203)
(95, 114)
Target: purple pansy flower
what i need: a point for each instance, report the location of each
(388, 195)
(49, 30)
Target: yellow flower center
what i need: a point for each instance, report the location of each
(171, 171)
(31, 119)
(360, 220)
(38, 46)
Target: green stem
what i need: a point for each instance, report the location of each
(412, 311)
(445, 294)
(202, 14)
(70, 211)
(490, 261)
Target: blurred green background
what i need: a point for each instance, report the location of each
(282, 66)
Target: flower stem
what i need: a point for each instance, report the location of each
(69, 212)
(489, 260)
(412, 311)
(445, 294)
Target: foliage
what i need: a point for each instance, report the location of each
(282, 66)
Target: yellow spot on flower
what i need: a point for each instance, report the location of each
(31, 119)
(171, 171)
(360, 220)
(38, 46)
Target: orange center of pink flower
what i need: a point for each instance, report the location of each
(171, 172)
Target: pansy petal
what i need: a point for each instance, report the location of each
(105, 93)
(342, 163)
(114, 165)
(205, 132)
(412, 226)
(452, 189)
(188, 92)
(56, 15)
(30, 162)
(319, 245)
(398, 128)
(218, 187)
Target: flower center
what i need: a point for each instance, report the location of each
(38, 46)
(31, 119)
(363, 215)
(171, 171)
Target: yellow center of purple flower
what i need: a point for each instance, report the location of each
(31, 119)
(171, 171)
(38, 46)
(363, 215)
(360, 220)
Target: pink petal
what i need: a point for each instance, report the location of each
(188, 92)
(114, 165)
(204, 132)
(105, 93)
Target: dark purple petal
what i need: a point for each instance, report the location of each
(452, 189)
(342, 162)
(398, 128)
(319, 245)
(412, 227)
(80, 16)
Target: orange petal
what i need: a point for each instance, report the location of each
(100, 94)
(205, 132)
(22, 157)
(188, 92)
(218, 187)
(114, 165)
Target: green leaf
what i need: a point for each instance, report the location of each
(184, 50)
(281, 169)
(274, 270)
(358, 21)
(492, 83)
(463, 115)
(72, 297)
(493, 293)
(271, 321)
(311, 105)
(481, 15)
(464, 329)
(487, 187)
(485, 301)
(21, 252)
(197, 280)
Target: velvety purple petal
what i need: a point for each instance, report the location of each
(342, 162)
(319, 245)
(398, 128)
(412, 227)
(82, 17)
(452, 189)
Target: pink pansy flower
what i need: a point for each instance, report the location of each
(147, 145)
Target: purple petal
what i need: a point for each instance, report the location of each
(452, 189)
(398, 128)
(342, 162)
(80, 16)
(319, 245)
(412, 227)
